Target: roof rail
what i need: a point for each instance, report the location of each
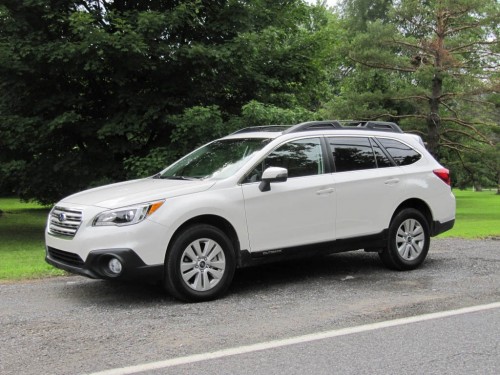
(325, 125)
(348, 124)
(265, 128)
(373, 125)
(314, 125)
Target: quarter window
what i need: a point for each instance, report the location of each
(400, 153)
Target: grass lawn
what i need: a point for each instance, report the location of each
(21, 241)
(22, 226)
(478, 215)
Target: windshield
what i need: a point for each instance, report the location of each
(217, 160)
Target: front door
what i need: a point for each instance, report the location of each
(296, 212)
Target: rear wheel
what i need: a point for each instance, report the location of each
(409, 241)
(200, 264)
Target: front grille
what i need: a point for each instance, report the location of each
(64, 221)
(65, 257)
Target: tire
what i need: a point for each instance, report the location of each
(408, 242)
(200, 264)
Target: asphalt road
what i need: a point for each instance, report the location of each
(72, 325)
(403, 347)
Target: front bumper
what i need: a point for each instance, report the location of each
(96, 264)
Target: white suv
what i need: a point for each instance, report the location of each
(261, 194)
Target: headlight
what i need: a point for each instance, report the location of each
(127, 215)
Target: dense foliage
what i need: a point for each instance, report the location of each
(86, 86)
(433, 66)
(94, 91)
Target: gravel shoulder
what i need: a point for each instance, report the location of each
(75, 325)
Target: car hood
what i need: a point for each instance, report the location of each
(136, 191)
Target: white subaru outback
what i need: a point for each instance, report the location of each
(261, 194)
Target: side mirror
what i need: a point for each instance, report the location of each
(272, 174)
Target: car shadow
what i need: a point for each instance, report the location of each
(114, 293)
(247, 281)
(335, 267)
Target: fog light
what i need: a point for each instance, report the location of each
(115, 266)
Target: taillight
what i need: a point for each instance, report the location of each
(443, 174)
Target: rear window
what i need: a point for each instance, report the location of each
(400, 153)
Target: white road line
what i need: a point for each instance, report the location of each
(291, 341)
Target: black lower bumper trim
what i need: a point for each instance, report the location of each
(438, 227)
(96, 266)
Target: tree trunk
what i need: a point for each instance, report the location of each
(433, 119)
(498, 186)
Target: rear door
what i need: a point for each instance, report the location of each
(367, 185)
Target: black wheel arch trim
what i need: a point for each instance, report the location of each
(216, 221)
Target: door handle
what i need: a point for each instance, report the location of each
(392, 181)
(325, 191)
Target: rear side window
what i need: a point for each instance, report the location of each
(352, 154)
(400, 153)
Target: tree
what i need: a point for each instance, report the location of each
(88, 84)
(432, 63)
(191, 131)
(361, 12)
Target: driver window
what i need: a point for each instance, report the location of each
(302, 157)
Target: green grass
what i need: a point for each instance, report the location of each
(478, 215)
(22, 249)
(22, 226)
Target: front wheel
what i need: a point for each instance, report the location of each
(409, 241)
(200, 264)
